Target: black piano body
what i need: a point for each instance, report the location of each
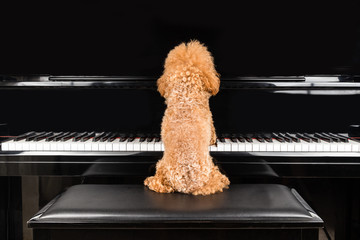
(252, 108)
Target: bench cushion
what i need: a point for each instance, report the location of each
(103, 206)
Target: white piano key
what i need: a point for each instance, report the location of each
(60, 146)
(144, 146)
(241, 146)
(298, 146)
(95, 146)
(40, 145)
(151, 145)
(313, 146)
(269, 146)
(102, 146)
(319, 146)
(88, 145)
(234, 146)
(80, 146)
(68, 145)
(333, 147)
(262, 146)
(277, 145)
(46, 146)
(283, 147)
(347, 147)
(53, 146)
(12, 145)
(130, 146)
(290, 146)
(326, 146)
(213, 148)
(158, 146)
(116, 145)
(227, 145)
(248, 146)
(220, 146)
(19, 145)
(73, 146)
(5, 146)
(123, 146)
(341, 147)
(108, 146)
(255, 145)
(304, 146)
(32, 146)
(354, 146)
(136, 144)
(162, 146)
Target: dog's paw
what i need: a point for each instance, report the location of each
(155, 184)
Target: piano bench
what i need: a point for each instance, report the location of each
(244, 211)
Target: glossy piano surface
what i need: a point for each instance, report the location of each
(295, 105)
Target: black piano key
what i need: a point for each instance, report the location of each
(58, 137)
(233, 139)
(301, 136)
(24, 136)
(105, 137)
(241, 139)
(51, 138)
(123, 138)
(277, 137)
(99, 136)
(142, 139)
(88, 136)
(113, 137)
(334, 138)
(157, 139)
(294, 138)
(131, 139)
(342, 138)
(286, 138)
(69, 136)
(32, 137)
(313, 138)
(79, 136)
(267, 137)
(222, 140)
(245, 137)
(149, 139)
(41, 137)
(322, 137)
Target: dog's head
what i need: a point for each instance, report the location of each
(192, 54)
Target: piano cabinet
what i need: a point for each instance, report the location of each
(247, 109)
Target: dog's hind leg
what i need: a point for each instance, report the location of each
(216, 183)
(159, 183)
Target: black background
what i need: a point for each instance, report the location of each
(134, 37)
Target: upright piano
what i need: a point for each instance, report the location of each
(301, 131)
(79, 102)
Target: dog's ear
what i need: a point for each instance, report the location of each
(162, 84)
(211, 82)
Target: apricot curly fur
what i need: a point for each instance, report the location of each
(188, 81)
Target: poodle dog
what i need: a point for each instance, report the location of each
(187, 130)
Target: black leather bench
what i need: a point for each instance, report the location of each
(245, 211)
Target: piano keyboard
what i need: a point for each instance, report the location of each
(116, 142)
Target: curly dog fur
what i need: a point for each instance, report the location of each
(187, 129)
